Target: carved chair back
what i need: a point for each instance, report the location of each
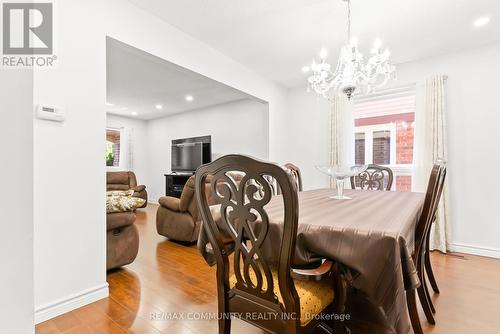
(243, 216)
(439, 192)
(432, 198)
(294, 173)
(374, 178)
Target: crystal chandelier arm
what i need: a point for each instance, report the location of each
(352, 73)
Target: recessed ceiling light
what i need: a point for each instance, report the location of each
(306, 69)
(482, 21)
(189, 98)
(159, 106)
(134, 113)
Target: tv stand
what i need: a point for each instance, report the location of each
(175, 183)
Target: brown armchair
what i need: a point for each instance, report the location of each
(178, 218)
(126, 181)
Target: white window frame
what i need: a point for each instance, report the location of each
(368, 131)
(397, 169)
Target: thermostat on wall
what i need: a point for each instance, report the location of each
(50, 113)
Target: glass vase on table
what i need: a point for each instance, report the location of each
(341, 174)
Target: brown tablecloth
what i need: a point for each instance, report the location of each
(373, 234)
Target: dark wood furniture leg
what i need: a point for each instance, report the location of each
(224, 316)
(428, 295)
(411, 301)
(425, 304)
(428, 270)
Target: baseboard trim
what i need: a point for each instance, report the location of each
(70, 303)
(476, 250)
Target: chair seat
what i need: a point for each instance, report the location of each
(314, 296)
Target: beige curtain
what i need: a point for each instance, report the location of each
(431, 144)
(341, 132)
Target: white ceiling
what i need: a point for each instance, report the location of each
(277, 37)
(137, 81)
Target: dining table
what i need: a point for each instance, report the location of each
(372, 234)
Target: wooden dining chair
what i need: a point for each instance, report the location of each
(427, 258)
(422, 232)
(375, 177)
(296, 174)
(250, 282)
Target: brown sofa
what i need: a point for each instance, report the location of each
(126, 181)
(122, 239)
(178, 219)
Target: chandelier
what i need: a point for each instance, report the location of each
(351, 73)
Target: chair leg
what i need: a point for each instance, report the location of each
(425, 304)
(411, 301)
(430, 273)
(224, 324)
(224, 315)
(428, 295)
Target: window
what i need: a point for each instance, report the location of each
(113, 147)
(383, 135)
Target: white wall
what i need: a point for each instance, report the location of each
(238, 127)
(134, 150)
(308, 125)
(69, 246)
(69, 187)
(16, 201)
(138, 28)
(473, 116)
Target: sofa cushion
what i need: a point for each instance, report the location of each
(171, 203)
(176, 225)
(115, 187)
(117, 178)
(122, 246)
(187, 194)
(119, 193)
(123, 203)
(139, 188)
(314, 296)
(119, 219)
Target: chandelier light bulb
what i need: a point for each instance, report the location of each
(377, 44)
(306, 69)
(353, 42)
(323, 53)
(315, 66)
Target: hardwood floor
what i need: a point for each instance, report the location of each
(172, 279)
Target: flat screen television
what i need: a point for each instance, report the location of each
(190, 153)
